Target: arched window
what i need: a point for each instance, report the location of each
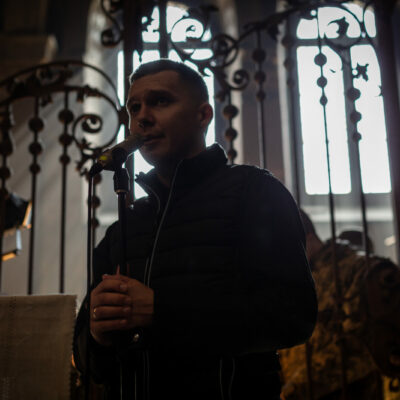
(178, 34)
(355, 65)
(336, 109)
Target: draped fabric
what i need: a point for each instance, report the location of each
(35, 346)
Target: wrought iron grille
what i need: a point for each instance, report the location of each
(129, 19)
(43, 84)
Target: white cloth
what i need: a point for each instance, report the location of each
(36, 334)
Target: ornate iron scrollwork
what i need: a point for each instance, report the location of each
(224, 48)
(43, 83)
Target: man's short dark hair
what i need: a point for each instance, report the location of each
(187, 75)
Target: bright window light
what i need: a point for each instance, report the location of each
(308, 28)
(373, 145)
(312, 123)
(173, 15)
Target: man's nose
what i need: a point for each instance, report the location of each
(145, 118)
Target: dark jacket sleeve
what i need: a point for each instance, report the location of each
(269, 303)
(280, 284)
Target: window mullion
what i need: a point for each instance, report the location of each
(296, 127)
(350, 106)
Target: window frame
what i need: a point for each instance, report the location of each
(351, 199)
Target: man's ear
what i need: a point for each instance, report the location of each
(206, 114)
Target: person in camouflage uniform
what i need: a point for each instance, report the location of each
(368, 321)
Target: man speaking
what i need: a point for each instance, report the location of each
(218, 278)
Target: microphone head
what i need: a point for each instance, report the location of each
(129, 145)
(121, 150)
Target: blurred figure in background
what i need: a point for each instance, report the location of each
(354, 238)
(369, 320)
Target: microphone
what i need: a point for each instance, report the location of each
(116, 155)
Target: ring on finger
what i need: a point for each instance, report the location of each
(94, 313)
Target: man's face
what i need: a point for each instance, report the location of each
(165, 113)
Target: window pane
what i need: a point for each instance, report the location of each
(329, 27)
(140, 164)
(151, 35)
(369, 17)
(307, 29)
(174, 14)
(181, 30)
(373, 146)
(312, 123)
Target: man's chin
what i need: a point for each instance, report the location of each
(161, 157)
(154, 156)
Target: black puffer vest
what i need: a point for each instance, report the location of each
(216, 283)
(182, 242)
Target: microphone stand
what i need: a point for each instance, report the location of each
(121, 188)
(88, 284)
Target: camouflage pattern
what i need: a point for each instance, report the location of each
(391, 394)
(354, 323)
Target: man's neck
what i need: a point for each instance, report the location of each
(164, 179)
(165, 173)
